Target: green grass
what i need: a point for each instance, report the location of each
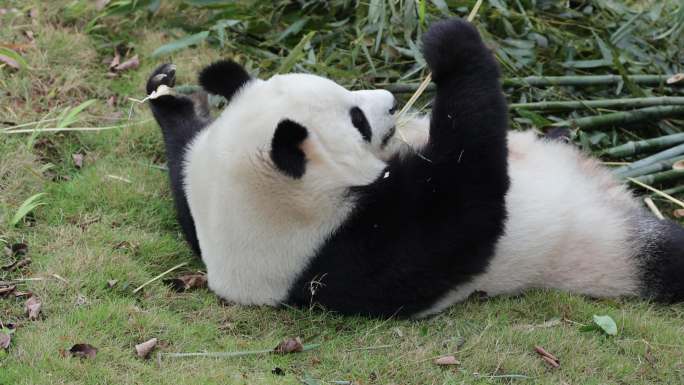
(95, 227)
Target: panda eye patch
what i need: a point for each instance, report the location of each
(359, 121)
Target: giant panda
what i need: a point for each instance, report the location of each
(304, 193)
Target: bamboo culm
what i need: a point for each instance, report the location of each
(624, 117)
(663, 155)
(661, 177)
(652, 168)
(639, 146)
(675, 190)
(541, 81)
(602, 103)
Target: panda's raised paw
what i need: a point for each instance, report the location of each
(452, 46)
(165, 75)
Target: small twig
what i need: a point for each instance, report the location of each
(658, 192)
(654, 209)
(229, 354)
(58, 129)
(378, 347)
(119, 178)
(178, 266)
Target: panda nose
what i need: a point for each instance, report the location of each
(394, 106)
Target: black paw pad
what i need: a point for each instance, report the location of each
(165, 74)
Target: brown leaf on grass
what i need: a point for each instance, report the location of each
(83, 351)
(447, 360)
(30, 36)
(144, 349)
(112, 282)
(679, 165)
(547, 357)
(129, 64)
(33, 306)
(111, 101)
(10, 62)
(289, 345)
(187, 282)
(679, 213)
(16, 265)
(6, 289)
(78, 159)
(101, 4)
(116, 60)
(5, 340)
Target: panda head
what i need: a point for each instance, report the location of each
(300, 129)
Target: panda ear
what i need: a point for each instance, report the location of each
(224, 77)
(286, 152)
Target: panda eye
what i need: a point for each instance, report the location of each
(359, 121)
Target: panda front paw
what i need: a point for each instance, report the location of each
(165, 75)
(452, 46)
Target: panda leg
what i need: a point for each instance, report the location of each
(178, 117)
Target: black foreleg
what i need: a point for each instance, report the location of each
(179, 121)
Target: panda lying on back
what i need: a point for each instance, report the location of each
(302, 192)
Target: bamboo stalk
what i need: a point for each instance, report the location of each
(542, 81)
(654, 209)
(602, 103)
(661, 177)
(653, 167)
(639, 146)
(624, 117)
(675, 190)
(663, 155)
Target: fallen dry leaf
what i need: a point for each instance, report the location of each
(679, 213)
(78, 159)
(116, 60)
(144, 349)
(129, 64)
(188, 281)
(101, 4)
(675, 79)
(547, 357)
(289, 345)
(679, 165)
(33, 306)
(5, 340)
(10, 62)
(16, 265)
(447, 360)
(83, 351)
(81, 300)
(112, 282)
(6, 289)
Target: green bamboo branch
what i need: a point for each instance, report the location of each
(542, 81)
(661, 177)
(658, 157)
(602, 103)
(637, 147)
(652, 168)
(624, 117)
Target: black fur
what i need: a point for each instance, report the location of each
(359, 121)
(223, 78)
(663, 265)
(179, 122)
(286, 153)
(434, 221)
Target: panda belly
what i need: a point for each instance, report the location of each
(570, 226)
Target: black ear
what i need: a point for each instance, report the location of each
(286, 151)
(224, 77)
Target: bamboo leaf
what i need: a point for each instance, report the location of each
(29, 205)
(70, 115)
(15, 60)
(181, 43)
(295, 54)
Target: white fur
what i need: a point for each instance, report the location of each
(569, 227)
(257, 226)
